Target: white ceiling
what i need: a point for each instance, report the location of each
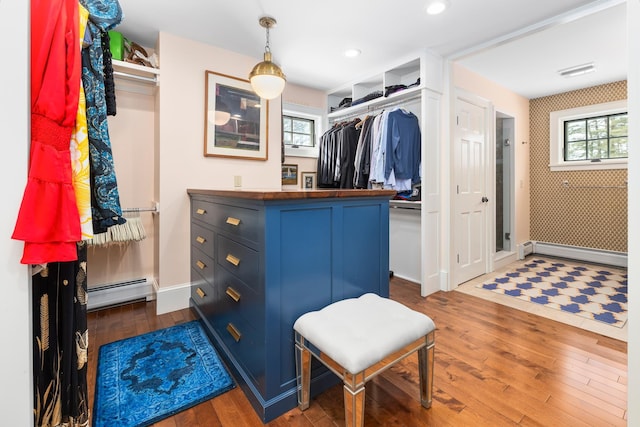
(308, 42)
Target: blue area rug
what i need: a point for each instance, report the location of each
(144, 379)
(598, 293)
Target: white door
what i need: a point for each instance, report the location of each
(469, 193)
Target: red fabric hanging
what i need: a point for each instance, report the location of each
(48, 221)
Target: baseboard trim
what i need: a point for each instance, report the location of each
(599, 256)
(172, 298)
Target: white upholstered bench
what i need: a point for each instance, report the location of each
(357, 339)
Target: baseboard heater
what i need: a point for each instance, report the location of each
(525, 249)
(598, 256)
(120, 293)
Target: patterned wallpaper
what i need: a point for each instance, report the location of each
(593, 218)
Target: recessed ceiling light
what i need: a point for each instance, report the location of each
(577, 70)
(435, 7)
(352, 53)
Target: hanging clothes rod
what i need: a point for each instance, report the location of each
(566, 184)
(368, 109)
(414, 207)
(135, 77)
(132, 210)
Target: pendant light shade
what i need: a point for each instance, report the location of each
(267, 79)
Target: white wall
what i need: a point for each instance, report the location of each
(16, 405)
(306, 97)
(633, 88)
(181, 164)
(132, 134)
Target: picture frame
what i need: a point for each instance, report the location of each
(289, 174)
(236, 119)
(308, 180)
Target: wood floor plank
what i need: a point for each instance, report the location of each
(494, 366)
(206, 413)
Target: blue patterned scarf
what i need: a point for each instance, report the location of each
(104, 15)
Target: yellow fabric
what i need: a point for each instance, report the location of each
(79, 148)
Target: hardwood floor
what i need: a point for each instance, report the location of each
(494, 366)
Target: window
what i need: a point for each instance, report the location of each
(298, 132)
(596, 138)
(591, 137)
(301, 129)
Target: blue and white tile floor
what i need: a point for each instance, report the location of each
(592, 297)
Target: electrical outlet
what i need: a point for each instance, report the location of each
(237, 181)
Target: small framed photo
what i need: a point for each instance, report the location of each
(289, 174)
(308, 180)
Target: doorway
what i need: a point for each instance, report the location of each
(470, 229)
(504, 184)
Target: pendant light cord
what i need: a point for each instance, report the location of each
(267, 48)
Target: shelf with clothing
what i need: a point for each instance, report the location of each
(376, 89)
(414, 84)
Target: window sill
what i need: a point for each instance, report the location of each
(300, 152)
(584, 166)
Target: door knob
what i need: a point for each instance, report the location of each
(484, 199)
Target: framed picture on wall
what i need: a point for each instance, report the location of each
(289, 174)
(236, 119)
(308, 180)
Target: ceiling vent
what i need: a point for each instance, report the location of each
(578, 70)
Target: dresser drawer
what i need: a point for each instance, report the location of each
(236, 298)
(203, 264)
(202, 238)
(247, 346)
(239, 260)
(202, 293)
(203, 211)
(234, 220)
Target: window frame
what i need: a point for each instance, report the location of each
(307, 113)
(557, 121)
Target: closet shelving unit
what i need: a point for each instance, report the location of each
(420, 221)
(406, 73)
(136, 78)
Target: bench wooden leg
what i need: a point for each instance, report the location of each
(354, 406)
(425, 368)
(303, 373)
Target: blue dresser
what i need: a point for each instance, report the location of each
(260, 259)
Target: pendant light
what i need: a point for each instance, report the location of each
(267, 79)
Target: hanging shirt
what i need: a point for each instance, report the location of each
(48, 220)
(80, 151)
(403, 146)
(349, 142)
(376, 172)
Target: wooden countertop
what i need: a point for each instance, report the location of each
(292, 194)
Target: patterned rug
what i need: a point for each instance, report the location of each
(144, 379)
(593, 292)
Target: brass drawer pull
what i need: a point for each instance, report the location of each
(201, 265)
(200, 293)
(234, 332)
(201, 211)
(233, 260)
(200, 239)
(233, 294)
(233, 221)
